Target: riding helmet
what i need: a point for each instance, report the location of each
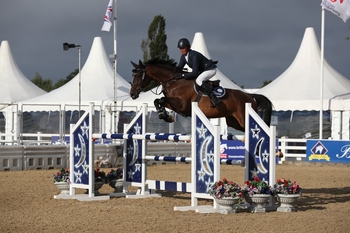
(183, 42)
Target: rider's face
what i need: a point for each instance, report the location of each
(184, 50)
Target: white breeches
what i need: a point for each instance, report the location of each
(205, 75)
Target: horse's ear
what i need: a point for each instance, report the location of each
(141, 64)
(134, 65)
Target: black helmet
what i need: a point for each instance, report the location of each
(183, 42)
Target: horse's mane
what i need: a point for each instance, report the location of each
(159, 61)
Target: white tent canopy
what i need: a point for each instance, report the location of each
(14, 85)
(97, 81)
(298, 87)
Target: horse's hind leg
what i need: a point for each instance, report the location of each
(233, 122)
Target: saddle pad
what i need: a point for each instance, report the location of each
(219, 91)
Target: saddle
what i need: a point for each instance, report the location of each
(218, 90)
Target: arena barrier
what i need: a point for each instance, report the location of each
(205, 160)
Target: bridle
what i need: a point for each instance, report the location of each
(164, 85)
(134, 73)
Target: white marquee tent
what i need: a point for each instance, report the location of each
(14, 86)
(97, 82)
(298, 87)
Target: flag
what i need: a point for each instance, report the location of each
(109, 14)
(340, 8)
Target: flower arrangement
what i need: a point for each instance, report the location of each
(115, 174)
(256, 186)
(100, 176)
(225, 188)
(62, 176)
(284, 186)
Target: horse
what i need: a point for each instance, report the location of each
(179, 93)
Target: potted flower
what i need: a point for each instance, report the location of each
(115, 179)
(285, 186)
(226, 193)
(256, 186)
(257, 193)
(287, 193)
(62, 180)
(62, 176)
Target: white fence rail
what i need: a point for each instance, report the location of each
(292, 149)
(23, 157)
(32, 157)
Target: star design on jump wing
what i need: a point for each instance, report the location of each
(255, 132)
(137, 128)
(85, 129)
(85, 168)
(202, 131)
(208, 184)
(137, 167)
(130, 150)
(77, 150)
(130, 173)
(254, 172)
(78, 176)
(201, 174)
(210, 155)
(265, 156)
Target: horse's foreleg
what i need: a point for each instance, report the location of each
(162, 113)
(160, 109)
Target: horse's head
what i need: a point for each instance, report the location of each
(138, 79)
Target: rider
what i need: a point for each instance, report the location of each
(201, 67)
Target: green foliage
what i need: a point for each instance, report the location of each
(155, 45)
(266, 82)
(47, 83)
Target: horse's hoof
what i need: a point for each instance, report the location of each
(169, 119)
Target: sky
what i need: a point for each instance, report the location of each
(253, 41)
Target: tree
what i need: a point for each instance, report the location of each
(61, 82)
(155, 45)
(266, 82)
(46, 85)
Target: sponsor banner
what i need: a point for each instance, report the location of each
(335, 151)
(232, 149)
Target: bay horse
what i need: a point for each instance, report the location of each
(179, 93)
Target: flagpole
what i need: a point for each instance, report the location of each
(115, 64)
(322, 73)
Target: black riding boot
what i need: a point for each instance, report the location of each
(207, 90)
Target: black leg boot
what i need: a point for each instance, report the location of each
(207, 90)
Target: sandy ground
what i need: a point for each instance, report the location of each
(27, 204)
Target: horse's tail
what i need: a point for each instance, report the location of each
(265, 106)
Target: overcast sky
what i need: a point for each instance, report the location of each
(252, 40)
